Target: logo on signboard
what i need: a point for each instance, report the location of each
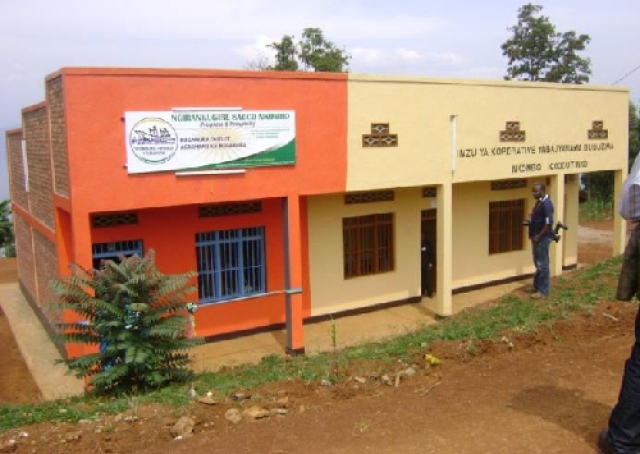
(153, 140)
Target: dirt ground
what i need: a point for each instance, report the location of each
(16, 384)
(547, 392)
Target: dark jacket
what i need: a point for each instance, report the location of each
(630, 272)
(541, 215)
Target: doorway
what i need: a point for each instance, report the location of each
(428, 233)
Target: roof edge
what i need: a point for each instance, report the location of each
(194, 72)
(483, 82)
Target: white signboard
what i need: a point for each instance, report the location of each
(209, 139)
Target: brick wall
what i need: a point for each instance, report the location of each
(55, 104)
(36, 132)
(16, 170)
(24, 249)
(47, 270)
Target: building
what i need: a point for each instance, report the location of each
(301, 195)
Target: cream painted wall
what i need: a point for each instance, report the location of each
(330, 291)
(472, 263)
(420, 110)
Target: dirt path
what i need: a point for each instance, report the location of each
(550, 393)
(16, 384)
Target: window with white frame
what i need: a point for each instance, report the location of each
(231, 264)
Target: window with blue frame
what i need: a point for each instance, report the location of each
(231, 264)
(114, 249)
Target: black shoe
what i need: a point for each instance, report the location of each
(604, 445)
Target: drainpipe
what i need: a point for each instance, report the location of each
(454, 141)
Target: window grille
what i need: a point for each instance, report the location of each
(597, 130)
(113, 219)
(369, 197)
(501, 185)
(231, 264)
(512, 132)
(229, 209)
(429, 192)
(368, 244)
(506, 231)
(380, 136)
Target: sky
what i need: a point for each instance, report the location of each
(435, 38)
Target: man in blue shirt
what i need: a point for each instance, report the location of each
(541, 234)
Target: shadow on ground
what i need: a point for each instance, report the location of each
(566, 408)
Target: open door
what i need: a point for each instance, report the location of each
(429, 236)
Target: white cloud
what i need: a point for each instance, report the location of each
(368, 56)
(258, 50)
(446, 57)
(408, 55)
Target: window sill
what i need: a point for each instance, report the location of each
(236, 299)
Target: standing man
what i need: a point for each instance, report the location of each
(426, 263)
(540, 234)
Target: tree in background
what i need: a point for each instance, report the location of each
(6, 230)
(321, 55)
(313, 53)
(286, 54)
(259, 63)
(634, 133)
(536, 52)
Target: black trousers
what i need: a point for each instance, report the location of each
(624, 423)
(426, 283)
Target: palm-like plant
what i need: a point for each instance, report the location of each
(136, 316)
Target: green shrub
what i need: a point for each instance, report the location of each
(596, 209)
(136, 316)
(7, 240)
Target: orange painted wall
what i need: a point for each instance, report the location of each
(171, 233)
(97, 99)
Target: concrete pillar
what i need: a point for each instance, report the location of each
(619, 224)
(556, 192)
(444, 302)
(571, 219)
(64, 240)
(292, 242)
(82, 242)
(82, 255)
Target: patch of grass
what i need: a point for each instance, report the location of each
(578, 291)
(596, 210)
(68, 410)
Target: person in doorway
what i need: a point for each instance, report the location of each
(623, 433)
(426, 262)
(541, 234)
